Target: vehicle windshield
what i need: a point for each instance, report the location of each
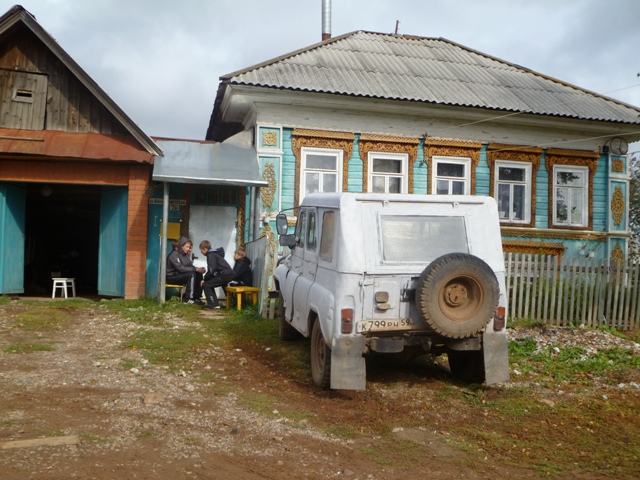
(413, 238)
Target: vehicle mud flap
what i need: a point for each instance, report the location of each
(348, 368)
(496, 357)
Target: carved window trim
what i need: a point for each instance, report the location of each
(514, 154)
(466, 161)
(369, 143)
(571, 158)
(434, 147)
(320, 139)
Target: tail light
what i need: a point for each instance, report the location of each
(499, 320)
(346, 325)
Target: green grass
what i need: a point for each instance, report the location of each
(41, 317)
(28, 347)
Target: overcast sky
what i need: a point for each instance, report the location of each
(160, 60)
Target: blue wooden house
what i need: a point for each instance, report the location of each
(370, 112)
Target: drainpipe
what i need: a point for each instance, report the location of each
(326, 20)
(162, 280)
(256, 213)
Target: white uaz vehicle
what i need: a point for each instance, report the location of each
(393, 273)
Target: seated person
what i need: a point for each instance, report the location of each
(242, 274)
(180, 270)
(218, 274)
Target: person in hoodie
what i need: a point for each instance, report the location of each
(218, 274)
(242, 274)
(180, 269)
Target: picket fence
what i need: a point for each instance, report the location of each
(579, 291)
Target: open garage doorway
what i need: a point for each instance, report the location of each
(62, 230)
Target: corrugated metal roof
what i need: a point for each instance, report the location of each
(69, 145)
(432, 70)
(232, 162)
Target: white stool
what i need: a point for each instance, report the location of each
(63, 283)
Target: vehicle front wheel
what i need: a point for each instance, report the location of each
(320, 358)
(285, 331)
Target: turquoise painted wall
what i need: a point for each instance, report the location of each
(542, 195)
(483, 174)
(288, 181)
(420, 172)
(355, 176)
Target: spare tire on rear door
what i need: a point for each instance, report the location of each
(457, 295)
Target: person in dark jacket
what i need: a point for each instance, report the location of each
(180, 269)
(218, 274)
(242, 274)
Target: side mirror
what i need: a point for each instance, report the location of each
(281, 224)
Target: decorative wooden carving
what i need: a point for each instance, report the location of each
(269, 139)
(268, 193)
(267, 232)
(617, 166)
(617, 205)
(451, 148)
(321, 139)
(514, 153)
(617, 261)
(579, 158)
(387, 144)
(554, 234)
(242, 206)
(533, 247)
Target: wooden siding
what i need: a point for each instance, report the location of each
(70, 105)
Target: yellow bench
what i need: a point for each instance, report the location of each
(180, 288)
(239, 291)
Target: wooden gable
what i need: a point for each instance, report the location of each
(37, 91)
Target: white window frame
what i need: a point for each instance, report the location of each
(527, 167)
(404, 175)
(304, 151)
(585, 196)
(466, 161)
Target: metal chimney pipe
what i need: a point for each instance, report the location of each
(326, 20)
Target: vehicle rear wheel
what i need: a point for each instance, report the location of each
(285, 331)
(467, 366)
(457, 295)
(320, 358)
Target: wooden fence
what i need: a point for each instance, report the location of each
(580, 291)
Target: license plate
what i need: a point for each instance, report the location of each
(385, 325)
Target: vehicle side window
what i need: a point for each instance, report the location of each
(311, 232)
(326, 241)
(301, 228)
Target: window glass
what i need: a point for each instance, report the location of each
(570, 190)
(450, 169)
(407, 237)
(377, 185)
(395, 185)
(321, 162)
(326, 242)
(512, 191)
(381, 165)
(311, 232)
(301, 228)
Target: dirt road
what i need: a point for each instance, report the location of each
(90, 408)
